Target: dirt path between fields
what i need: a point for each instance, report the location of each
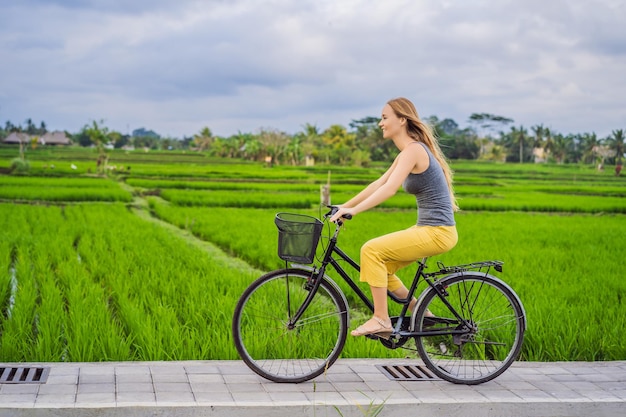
(140, 207)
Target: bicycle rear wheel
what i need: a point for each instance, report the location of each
(275, 348)
(492, 338)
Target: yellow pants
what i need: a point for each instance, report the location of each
(381, 257)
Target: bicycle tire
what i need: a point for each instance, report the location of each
(497, 321)
(273, 349)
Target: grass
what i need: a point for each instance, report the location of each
(99, 283)
(51, 189)
(112, 279)
(554, 262)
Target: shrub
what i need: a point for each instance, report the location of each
(19, 166)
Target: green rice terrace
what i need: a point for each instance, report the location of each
(147, 262)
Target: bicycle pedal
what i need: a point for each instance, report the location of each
(378, 337)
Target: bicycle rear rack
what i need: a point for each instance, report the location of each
(474, 266)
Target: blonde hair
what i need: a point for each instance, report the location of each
(422, 132)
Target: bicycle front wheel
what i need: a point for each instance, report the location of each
(486, 344)
(276, 348)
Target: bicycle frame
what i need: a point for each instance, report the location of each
(318, 273)
(477, 319)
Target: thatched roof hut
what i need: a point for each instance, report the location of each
(48, 138)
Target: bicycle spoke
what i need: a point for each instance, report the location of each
(485, 343)
(317, 318)
(275, 347)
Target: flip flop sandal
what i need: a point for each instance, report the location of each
(382, 331)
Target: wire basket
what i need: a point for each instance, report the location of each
(298, 236)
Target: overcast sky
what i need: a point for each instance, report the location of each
(241, 65)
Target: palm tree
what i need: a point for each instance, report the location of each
(342, 143)
(204, 139)
(561, 146)
(10, 127)
(249, 146)
(539, 132)
(548, 144)
(253, 147)
(293, 150)
(31, 129)
(488, 122)
(518, 136)
(616, 143)
(274, 143)
(589, 143)
(311, 144)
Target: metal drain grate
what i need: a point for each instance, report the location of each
(23, 375)
(407, 373)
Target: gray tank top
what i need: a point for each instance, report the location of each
(434, 207)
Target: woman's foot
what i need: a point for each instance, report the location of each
(374, 326)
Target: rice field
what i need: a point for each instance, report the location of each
(126, 267)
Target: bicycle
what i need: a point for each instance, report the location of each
(291, 324)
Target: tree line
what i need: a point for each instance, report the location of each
(487, 137)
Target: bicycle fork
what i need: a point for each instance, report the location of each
(312, 285)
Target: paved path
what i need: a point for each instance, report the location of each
(350, 388)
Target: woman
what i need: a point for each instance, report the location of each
(421, 169)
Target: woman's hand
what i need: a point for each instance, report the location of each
(342, 213)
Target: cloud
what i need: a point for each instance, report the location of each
(176, 67)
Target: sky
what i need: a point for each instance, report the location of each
(177, 66)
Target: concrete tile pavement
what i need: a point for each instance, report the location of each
(351, 387)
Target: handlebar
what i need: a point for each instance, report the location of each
(333, 210)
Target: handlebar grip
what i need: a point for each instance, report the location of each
(334, 209)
